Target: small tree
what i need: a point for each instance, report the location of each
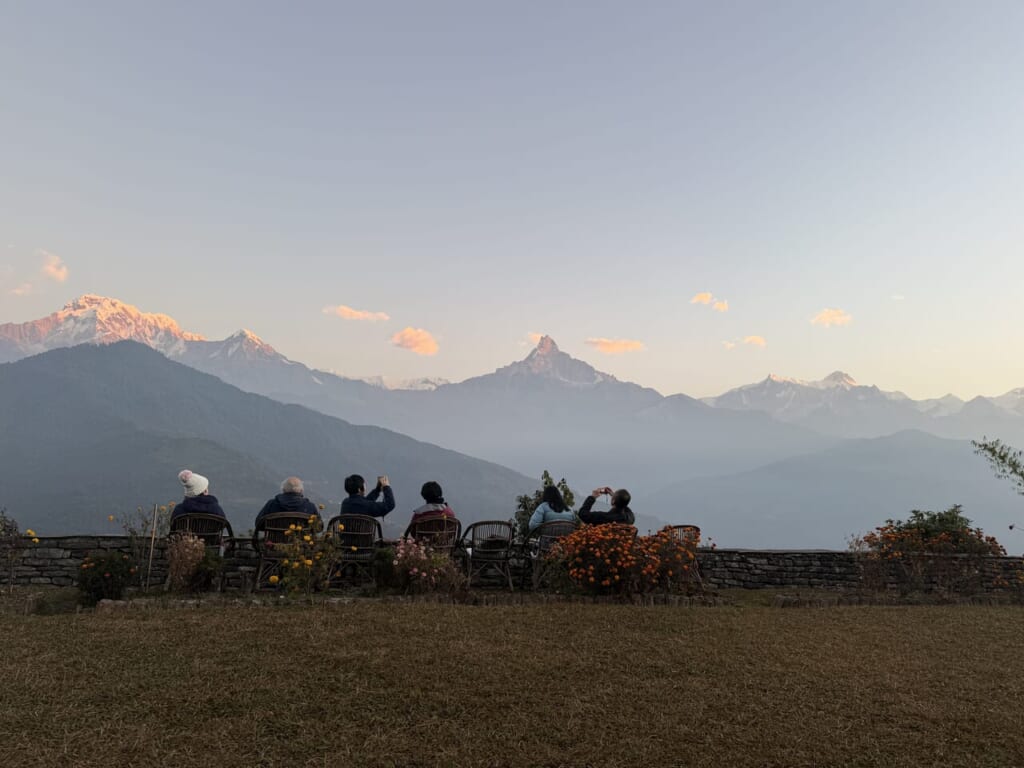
(527, 504)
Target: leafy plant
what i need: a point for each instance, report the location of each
(104, 576)
(185, 553)
(527, 504)
(12, 545)
(419, 569)
(139, 526)
(308, 558)
(928, 551)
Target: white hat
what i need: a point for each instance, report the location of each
(195, 485)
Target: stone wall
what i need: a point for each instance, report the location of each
(56, 561)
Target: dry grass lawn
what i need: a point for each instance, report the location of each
(563, 685)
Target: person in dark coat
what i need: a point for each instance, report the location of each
(359, 502)
(290, 499)
(619, 513)
(197, 496)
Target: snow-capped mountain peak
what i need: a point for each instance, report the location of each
(547, 361)
(92, 319)
(836, 379)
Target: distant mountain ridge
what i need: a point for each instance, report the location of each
(91, 430)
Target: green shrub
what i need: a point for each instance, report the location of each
(104, 577)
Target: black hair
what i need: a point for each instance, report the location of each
(621, 499)
(432, 493)
(554, 499)
(354, 485)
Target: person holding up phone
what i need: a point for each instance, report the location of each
(619, 512)
(359, 502)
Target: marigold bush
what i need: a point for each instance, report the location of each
(930, 551)
(611, 559)
(308, 558)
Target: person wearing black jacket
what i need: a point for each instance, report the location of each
(290, 499)
(619, 513)
(361, 503)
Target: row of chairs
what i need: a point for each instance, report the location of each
(487, 545)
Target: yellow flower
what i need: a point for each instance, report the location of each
(273, 579)
(341, 527)
(307, 537)
(285, 561)
(295, 564)
(321, 507)
(309, 563)
(110, 518)
(35, 540)
(163, 509)
(319, 555)
(291, 527)
(312, 519)
(355, 549)
(288, 533)
(29, 532)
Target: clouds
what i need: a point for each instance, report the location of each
(415, 340)
(534, 337)
(54, 267)
(729, 344)
(615, 346)
(708, 299)
(757, 341)
(348, 313)
(829, 317)
(22, 290)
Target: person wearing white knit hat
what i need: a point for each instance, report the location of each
(197, 496)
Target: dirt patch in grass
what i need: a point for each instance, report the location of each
(572, 685)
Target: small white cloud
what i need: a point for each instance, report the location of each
(757, 341)
(54, 266)
(534, 337)
(416, 340)
(702, 298)
(347, 313)
(729, 344)
(720, 306)
(829, 317)
(615, 346)
(22, 290)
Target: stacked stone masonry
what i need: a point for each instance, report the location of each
(56, 561)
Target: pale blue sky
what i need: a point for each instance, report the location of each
(483, 170)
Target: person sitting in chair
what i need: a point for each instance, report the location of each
(552, 507)
(619, 513)
(359, 502)
(435, 505)
(197, 496)
(290, 499)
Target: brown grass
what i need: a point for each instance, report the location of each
(574, 685)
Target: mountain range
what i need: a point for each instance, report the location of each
(94, 430)
(713, 461)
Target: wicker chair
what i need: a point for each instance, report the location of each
(358, 538)
(690, 535)
(488, 544)
(267, 539)
(538, 544)
(212, 530)
(440, 533)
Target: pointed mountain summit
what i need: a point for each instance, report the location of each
(546, 361)
(92, 319)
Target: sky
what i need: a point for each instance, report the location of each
(686, 195)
